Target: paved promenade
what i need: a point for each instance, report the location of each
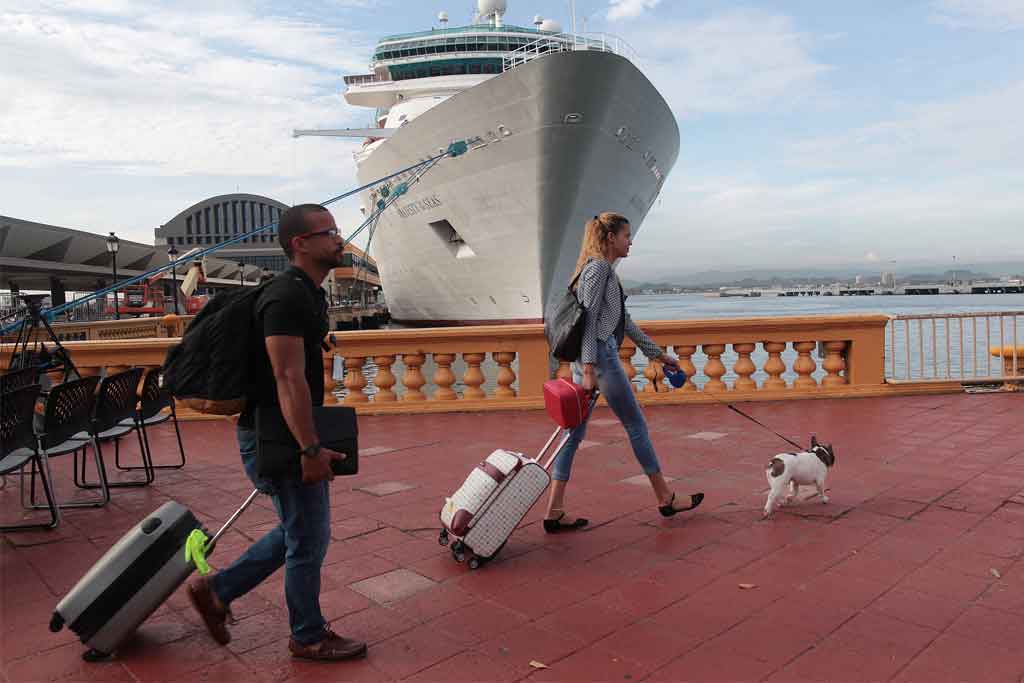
(913, 572)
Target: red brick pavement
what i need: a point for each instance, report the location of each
(913, 571)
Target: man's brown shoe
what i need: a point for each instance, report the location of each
(215, 618)
(333, 648)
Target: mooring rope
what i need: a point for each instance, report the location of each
(389, 197)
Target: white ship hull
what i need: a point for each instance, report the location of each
(558, 139)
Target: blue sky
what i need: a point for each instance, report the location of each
(813, 134)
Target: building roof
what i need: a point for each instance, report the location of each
(31, 253)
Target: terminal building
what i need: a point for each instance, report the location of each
(219, 219)
(39, 257)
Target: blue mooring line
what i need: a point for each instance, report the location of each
(455, 149)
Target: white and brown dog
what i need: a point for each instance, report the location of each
(787, 472)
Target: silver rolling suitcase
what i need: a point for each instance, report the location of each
(493, 500)
(133, 579)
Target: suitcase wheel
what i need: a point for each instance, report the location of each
(95, 656)
(56, 622)
(475, 562)
(443, 538)
(459, 552)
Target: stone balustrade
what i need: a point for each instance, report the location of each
(504, 367)
(853, 363)
(127, 328)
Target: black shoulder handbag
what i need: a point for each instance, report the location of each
(564, 328)
(277, 452)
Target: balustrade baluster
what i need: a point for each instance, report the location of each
(715, 368)
(444, 378)
(774, 366)
(474, 377)
(804, 365)
(744, 367)
(413, 378)
(506, 376)
(685, 353)
(384, 380)
(355, 381)
(834, 364)
(654, 374)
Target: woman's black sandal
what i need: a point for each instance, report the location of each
(668, 509)
(553, 526)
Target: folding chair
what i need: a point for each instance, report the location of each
(114, 417)
(17, 379)
(152, 400)
(67, 427)
(18, 448)
(11, 381)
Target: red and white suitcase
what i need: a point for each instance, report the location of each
(497, 494)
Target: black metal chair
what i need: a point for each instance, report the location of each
(18, 448)
(67, 427)
(153, 399)
(11, 381)
(114, 417)
(17, 379)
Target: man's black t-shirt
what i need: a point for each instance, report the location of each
(291, 305)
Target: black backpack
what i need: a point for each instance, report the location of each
(211, 371)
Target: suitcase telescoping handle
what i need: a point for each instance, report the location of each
(231, 520)
(565, 437)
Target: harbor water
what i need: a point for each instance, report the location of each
(928, 353)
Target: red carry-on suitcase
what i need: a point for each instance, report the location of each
(490, 504)
(568, 404)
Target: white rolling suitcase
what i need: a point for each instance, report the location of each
(495, 497)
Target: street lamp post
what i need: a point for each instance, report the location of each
(172, 254)
(112, 247)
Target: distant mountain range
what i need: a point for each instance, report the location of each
(784, 277)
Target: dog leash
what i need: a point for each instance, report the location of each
(752, 419)
(758, 422)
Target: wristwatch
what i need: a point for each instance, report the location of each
(310, 451)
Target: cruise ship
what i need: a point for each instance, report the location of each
(560, 126)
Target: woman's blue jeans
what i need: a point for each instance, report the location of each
(618, 392)
(299, 544)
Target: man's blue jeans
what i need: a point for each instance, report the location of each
(299, 543)
(618, 392)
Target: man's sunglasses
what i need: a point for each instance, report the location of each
(333, 232)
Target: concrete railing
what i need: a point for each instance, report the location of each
(127, 328)
(504, 367)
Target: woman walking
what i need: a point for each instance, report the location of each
(608, 238)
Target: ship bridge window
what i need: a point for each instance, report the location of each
(452, 239)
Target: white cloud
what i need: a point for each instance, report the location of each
(627, 9)
(974, 132)
(936, 179)
(170, 91)
(992, 15)
(741, 60)
(756, 221)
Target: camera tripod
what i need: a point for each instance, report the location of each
(39, 357)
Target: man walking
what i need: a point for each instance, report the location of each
(292, 316)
